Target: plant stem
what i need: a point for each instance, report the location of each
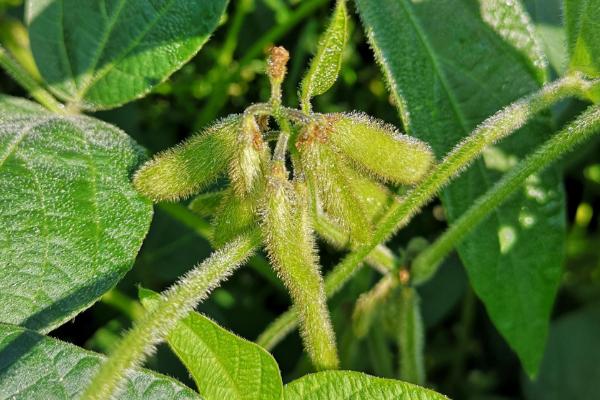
(496, 127)
(411, 338)
(177, 302)
(427, 263)
(23, 78)
(219, 97)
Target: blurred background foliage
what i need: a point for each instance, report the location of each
(465, 357)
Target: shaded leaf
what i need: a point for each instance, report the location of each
(570, 367)
(35, 367)
(445, 82)
(70, 222)
(223, 365)
(342, 385)
(101, 54)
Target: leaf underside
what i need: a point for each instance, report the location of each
(448, 70)
(71, 224)
(101, 54)
(35, 367)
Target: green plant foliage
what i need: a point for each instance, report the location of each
(207, 204)
(346, 385)
(379, 148)
(191, 166)
(35, 367)
(70, 222)
(583, 36)
(99, 54)
(325, 66)
(570, 367)
(290, 244)
(223, 365)
(444, 88)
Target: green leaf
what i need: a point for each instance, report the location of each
(35, 367)
(71, 224)
(445, 83)
(342, 385)
(325, 66)
(101, 54)
(583, 35)
(223, 365)
(570, 367)
(510, 20)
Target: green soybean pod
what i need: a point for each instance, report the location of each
(236, 215)
(379, 149)
(245, 167)
(327, 173)
(289, 242)
(190, 166)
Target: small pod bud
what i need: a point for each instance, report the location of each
(326, 172)
(379, 148)
(206, 204)
(277, 63)
(190, 166)
(236, 215)
(246, 165)
(291, 248)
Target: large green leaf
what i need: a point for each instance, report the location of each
(583, 35)
(70, 221)
(346, 385)
(223, 365)
(570, 367)
(448, 71)
(101, 54)
(35, 367)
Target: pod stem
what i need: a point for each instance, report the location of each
(177, 302)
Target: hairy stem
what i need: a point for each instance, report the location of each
(411, 338)
(586, 125)
(177, 302)
(216, 102)
(22, 77)
(493, 129)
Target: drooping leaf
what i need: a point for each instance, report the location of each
(346, 385)
(190, 166)
(223, 365)
(362, 138)
(36, 367)
(290, 244)
(448, 71)
(325, 66)
(71, 223)
(570, 367)
(583, 35)
(101, 54)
